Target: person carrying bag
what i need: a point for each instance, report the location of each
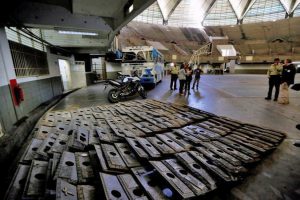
(287, 78)
(283, 94)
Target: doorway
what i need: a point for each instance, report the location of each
(64, 68)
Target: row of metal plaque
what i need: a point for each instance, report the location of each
(137, 150)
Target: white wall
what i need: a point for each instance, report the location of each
(252, 66)
(78, 75)
(113, 67)
(53, 62)
(58, 39)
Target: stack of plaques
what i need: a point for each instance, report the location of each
(137, 150)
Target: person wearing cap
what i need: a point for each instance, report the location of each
(274, 73)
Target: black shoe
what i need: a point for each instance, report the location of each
(175, 89)
(193, 88)
(298, 126)
(267, 98)
(171, 88)
(275, 99)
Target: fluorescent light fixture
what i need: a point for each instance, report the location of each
(131, 8)
(77, 33)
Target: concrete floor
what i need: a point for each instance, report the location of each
(239, 97)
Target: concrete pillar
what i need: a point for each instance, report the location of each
(7, 71)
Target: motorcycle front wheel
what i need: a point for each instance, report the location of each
(113, 96)
(142, 92)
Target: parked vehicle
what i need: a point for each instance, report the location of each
(126, 87)
(147, 61)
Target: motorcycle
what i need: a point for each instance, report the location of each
(126, 86)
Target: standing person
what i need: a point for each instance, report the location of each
(287, 78)
(288, 72)
(182, 78)
(274, 73)
(174, 75)
(189, 77)
(197, 73)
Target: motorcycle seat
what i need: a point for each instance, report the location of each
(115, 83)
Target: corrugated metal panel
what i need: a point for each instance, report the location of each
(26, 41)
(12, 35)
(17, 36)
(37, 45)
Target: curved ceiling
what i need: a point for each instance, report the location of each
(195, 13)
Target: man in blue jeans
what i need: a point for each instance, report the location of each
(197, 73)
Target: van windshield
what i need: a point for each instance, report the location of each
(141, 56)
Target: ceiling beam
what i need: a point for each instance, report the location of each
(287, 5)
(52, 16)
(238, 9)
(294, 6)
(247, 8)
(167, 7)
(120, 20)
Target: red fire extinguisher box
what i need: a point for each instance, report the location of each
(16, 92)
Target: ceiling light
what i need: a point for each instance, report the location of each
(77, 33)
(131, 8)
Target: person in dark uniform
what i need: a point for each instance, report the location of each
(288, 72)
(274, 73)
(197, 73)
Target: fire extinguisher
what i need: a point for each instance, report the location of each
(18, 94)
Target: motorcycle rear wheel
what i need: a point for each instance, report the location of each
(143, 92)
(113, 96)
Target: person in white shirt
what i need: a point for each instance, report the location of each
(182, 78)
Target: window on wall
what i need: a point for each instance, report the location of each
(151, 15)
(265, 10)
(220, 14)
(188, 13)
(297, 11)
(28, 61)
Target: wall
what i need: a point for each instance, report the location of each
(251, 68)
(37, 90)
(78, 75)
(90, 78)
(35, 93)
(112, 69)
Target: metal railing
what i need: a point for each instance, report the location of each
(28, 61)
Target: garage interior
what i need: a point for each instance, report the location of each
(61, 137)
